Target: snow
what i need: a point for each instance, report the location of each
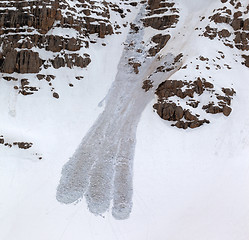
(187, 185)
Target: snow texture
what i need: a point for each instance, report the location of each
(102, 166)
(183, 185)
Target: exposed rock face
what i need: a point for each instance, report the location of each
(52, 34)
(70, 61)
(170, 110)
(161, 23)
(39, 15)
(27, 29)
(161, 41)
(21, 62)
(158, 7)
(246, 62)
(26, 25)
(239, 22)
(147, 85)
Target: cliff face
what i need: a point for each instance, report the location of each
(227, 24)
(25, 27)
(40, 38)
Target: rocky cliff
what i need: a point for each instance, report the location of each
(39, 37)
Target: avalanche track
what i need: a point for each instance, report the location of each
(101, 167)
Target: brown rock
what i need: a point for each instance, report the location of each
(246, 60)
(147, 85)
(10, 78)
(210, 108)
(226, 111)
(23, 145)
(73, 45)
(237, 23)
(21, 62)
(58, 62)
(228, 91)
(190, 117)
(208, 85)
(178, 113)
(161, 41)
(161, 23)
(246, 25)
(237, 14)
(224, 33)
(56, 95)
(40, 76)
(195, 124)
(198, 86)
(218, 18)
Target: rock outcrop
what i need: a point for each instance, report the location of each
(238, 21)
(170, 110)
(25, 26)
(24, 61)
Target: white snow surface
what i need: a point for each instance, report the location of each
(188, 184)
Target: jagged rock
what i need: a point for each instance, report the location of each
(190, 117)
(169, 111)
(226, 100)
(246, 60)
(21, 62)
(210, 108)
(198, 86)
(42, 18)
(228, 91)
(179, 113)
(147, 85)
(210, 32)
(218, 18)
(246, 25)
(224, 33)
(237, 14)
(194, 124)
(161, 41)
(161, 23)
(73, 45)
(40, 76)
(237, 23)
(58, 62)
(226, 111)
(70, 60)
(193, 103)
(208, 85)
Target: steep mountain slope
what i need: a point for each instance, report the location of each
(158, 92)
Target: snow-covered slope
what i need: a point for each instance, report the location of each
(182, 182)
